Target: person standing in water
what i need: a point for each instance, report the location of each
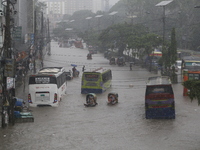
(83, 69)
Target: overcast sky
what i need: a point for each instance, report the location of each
(113, 2)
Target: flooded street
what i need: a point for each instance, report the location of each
(71, 126)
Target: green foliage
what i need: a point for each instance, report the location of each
(116, 35)
(181, 17)
(169, 51)
(173, 47)
(194, 88)
(40, 6)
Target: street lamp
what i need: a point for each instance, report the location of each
(163, 4)
(88, 18)
(131, 17)
(69, 29)
(112, 14)
(98, 16)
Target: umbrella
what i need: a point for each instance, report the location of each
(73, 65)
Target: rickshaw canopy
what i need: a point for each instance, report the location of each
(91, 94)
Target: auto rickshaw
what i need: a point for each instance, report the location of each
(19, 104)
(112, 98)
(89, 56)
(120, 61)
(112, 61)
(91, 100)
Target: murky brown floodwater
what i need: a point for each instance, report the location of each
(71, 126)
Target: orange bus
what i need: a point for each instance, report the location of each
(190, 75)
(190, 69)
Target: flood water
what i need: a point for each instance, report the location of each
(71, 126)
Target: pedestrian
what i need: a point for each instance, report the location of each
(42, 64)
(73, 70)
(130, 66)
(31, 67)
(83, 69)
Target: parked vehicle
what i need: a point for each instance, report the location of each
(78, 44)
(112, 61)
(92, 49)
(120, 61)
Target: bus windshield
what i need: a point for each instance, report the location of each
(159, 89)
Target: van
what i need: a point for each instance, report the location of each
(159, 98)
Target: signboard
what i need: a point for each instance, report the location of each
(10, 83)
(9, 68)
(32, 38)
(17, 34)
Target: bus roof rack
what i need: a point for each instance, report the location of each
(51, 70)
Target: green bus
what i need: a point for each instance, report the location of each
(96, 81)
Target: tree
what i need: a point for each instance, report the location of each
(116, 35)
(173, 47)
(170, 56)
(194, 87)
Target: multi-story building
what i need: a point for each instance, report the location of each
(98, 5)
(24, 19)
(2, 21)
(75, 5)
(70, 6)
(55, 7)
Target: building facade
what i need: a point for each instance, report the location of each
(70, 6)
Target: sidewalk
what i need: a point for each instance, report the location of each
(21, 89)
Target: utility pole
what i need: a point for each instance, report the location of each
(35, 41)
(8, 92)
(163, 4)
(163, 24)
(49, 40)
(42, 39)
(7, 42)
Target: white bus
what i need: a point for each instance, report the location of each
(47, 87)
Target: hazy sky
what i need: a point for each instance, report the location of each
(112, 2)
